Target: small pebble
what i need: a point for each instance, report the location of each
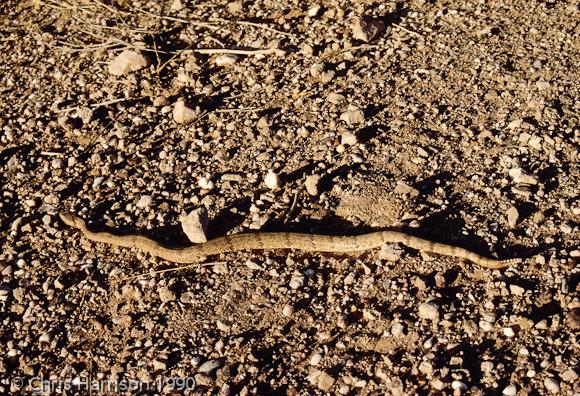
(272, 181)
(315, 359)
(144, 201)
(223, 326)
(183, 114)
(288, 310)
(518, 175)
(348, 139)
(552, 385)
(321, 379)
(127, 62)
(512, 216)
(510, 390)
(508, 332)
(195, 225)
(429, 310)
(205, 183)
(397, 329)
(569, 375)
(312, 183)
(210, 366)
(458, 385)
(226, 60)
(297, 282)
(353, 116)
(485, 325)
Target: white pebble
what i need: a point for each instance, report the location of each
(223, 326)
(210, 365)
(510, 390)
(183, 114)
(311, 184)
(288, 310)
(315, 359)
(272, 181)
(508, 332)
(353, 116)
(226, 60)
(512, 216)
(518, 175)
(429, 310)
(205, 183)
(552, 385)
(459, 385)
(397, 329)
(144, 201)
(127, 62)
(485, 325)
(195, 224)
(348, 139)
(296, 282)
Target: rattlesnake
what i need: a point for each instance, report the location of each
(281, 240)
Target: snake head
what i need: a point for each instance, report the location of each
(71, 220)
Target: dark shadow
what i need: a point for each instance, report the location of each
(367, 133)
(550, 309)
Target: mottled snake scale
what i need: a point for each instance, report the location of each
(281, 240)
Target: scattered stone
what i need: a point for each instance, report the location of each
(440, 281)
(272, 180)
(353, 116)
(348, 139)
(397, 329)
(223, 326)
(288, 310)
(210, 366)
(335, 98)
(205, 183)
(426, 368)
(518, 175)
(176, 5)
(166, 295)
(509, 332)
(126, 62)
(368, 28)
(485, 325)
(510, 390)
(516, 290)
(315, 359)
(403, 188)
(429, 310)
(159, 365)
(512, 216)
(459, 385)
(297, 282)
(312, 183)
(390, 252)
(313, 11)
(144, 201)
(552, 385)
(569, 375)
(195, 225)
(183, 114)
(226, 60)
(321, 379)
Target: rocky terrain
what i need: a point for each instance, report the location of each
(454, 120)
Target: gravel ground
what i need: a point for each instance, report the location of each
(455, 120)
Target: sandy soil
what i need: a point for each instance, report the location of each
(456, 121)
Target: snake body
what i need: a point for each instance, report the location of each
(280, 240)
